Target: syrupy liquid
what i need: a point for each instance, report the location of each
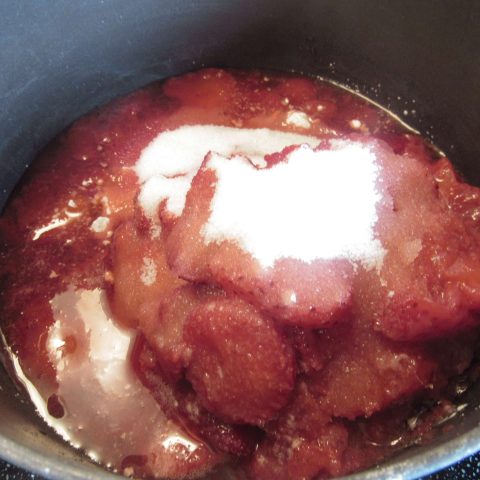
(82, 252)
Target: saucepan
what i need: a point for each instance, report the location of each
(59, 59)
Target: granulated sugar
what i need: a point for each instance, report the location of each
(168, 164)
(314, 205)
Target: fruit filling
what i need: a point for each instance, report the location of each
(238, 274)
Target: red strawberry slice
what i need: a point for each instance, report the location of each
(241, 367)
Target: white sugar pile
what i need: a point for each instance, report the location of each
(314, 205)
(167, 165)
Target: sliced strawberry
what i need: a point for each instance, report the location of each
(241, 368)
(370, 373)
(302, 443)
(180, 403)
(353, 371)
(141, 276)
(165, 334)
(295, 457)
(429, 283)
(302, 293)
(315, 348)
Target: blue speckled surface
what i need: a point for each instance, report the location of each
(469, 469)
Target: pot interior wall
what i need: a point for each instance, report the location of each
(60, 59)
